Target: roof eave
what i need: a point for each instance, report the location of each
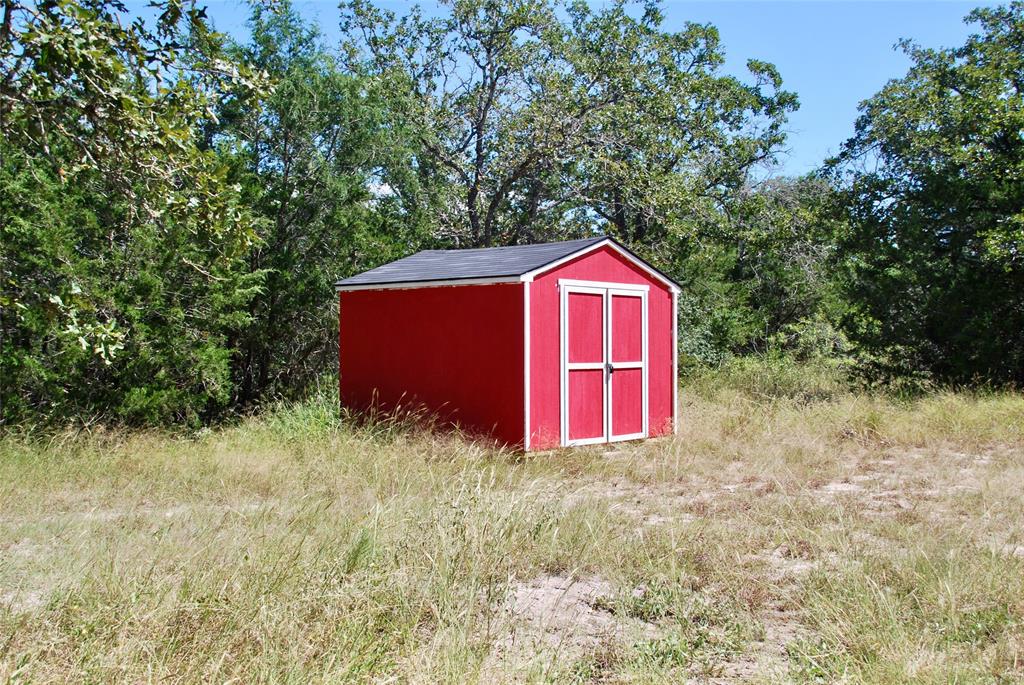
(438, 283)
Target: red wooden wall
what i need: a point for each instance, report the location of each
(456, 350)
(603, 264)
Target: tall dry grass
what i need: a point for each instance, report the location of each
(793, 530)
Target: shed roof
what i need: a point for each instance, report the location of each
(479, 264)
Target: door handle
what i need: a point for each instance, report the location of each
(611, 368)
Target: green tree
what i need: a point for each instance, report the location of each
(122, 239)
(119, 96)
(935, 182)
(547, 119)
(672, 154)
(769, 278)
(307, 160)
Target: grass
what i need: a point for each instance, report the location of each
(811, 535)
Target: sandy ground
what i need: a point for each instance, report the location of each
(567, 616)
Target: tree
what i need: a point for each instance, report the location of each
(305, 159)
(674, 151)
(770, 278)
(122, 238)
(549, 120)
(121, 97)
(935, 184)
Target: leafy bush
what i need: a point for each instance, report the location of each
(774, 376)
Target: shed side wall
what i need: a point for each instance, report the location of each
(606, 265)
(458, 351)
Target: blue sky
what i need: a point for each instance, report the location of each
(832, 54)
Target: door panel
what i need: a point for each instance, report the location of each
(585, 322)
(626, 381)
(627, 331)
(586, 405)
(627, 405)
(586, 328)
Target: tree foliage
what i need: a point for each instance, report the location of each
(935, 185)
(118, 97)
(121, 234)
(306, 159)
(543, 120)
(174, 204)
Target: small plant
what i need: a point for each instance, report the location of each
(811, 662)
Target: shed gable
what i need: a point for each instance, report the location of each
(605, 264)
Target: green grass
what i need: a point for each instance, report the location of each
(781, 536)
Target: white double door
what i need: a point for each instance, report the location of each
(604, 362)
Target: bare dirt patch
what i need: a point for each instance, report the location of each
(559, 617)
(841, 488)
(766, 659)
(651, 504)
(18, 602)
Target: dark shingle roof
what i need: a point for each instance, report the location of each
(487, 262)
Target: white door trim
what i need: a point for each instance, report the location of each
(603, 285)
(607, 291)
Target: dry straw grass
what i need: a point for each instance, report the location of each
(799, 536)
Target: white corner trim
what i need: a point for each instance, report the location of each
(427, 284)
(675, 363)
(563, 367)
(527, 334)
(607, 242)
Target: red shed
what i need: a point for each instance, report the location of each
(568, 343)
